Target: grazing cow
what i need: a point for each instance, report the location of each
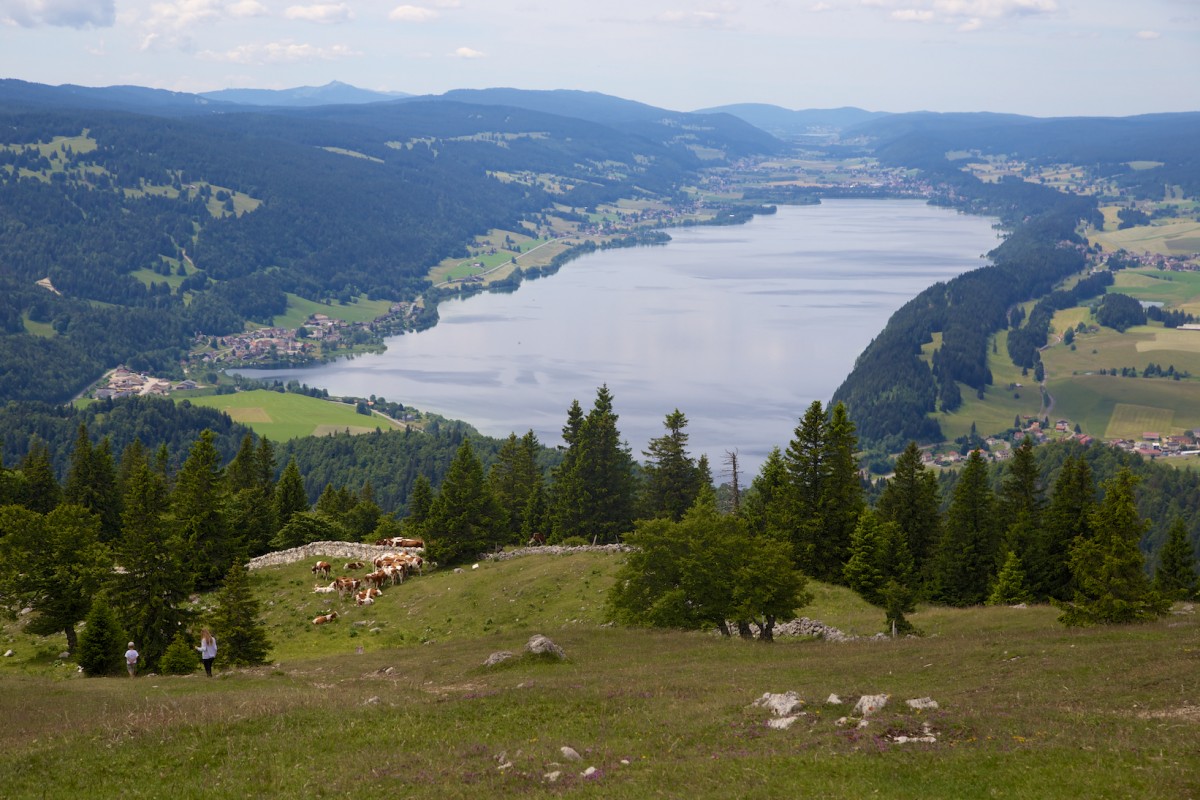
(537, 540)
(409, 543)
(376, 578)
(322, 568)
(346, 585)
(353, 565)
(323, 618)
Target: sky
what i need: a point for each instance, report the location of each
(1039, 57)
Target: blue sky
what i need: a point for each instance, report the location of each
(1039, 57)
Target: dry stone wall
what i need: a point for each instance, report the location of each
(355, 551)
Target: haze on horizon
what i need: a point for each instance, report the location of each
(1036, 57)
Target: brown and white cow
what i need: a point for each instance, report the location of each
(323, 618)
(322, 568)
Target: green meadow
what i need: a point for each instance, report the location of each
(394, 700)
(300, 309)
(282, 415)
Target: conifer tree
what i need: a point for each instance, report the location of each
(40, 490)
(767, 507)
(1108, 568)
(180, 658)
(290, 495)
(236, 622)
(841, 495)
(513, 478)
(102, 642)
(966, 558)
(151, 592)
(864, 569)
(910, 499)
(464, 519)
(1067, 519)
(199, 506)
(805, 460)
(672, 479)
(1175, 578)
(420, 500)
(1009, 588)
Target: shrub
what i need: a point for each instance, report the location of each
(180, 658)
(101, 645)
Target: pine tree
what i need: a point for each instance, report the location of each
(420, 500)
(672, 478)
(841, 496)
(1108, 568)
(1067, 519)
(1021, 493)
(767, 507)
(1175, 578)
(805, 460)
(864, 571)
(513, 478)
(180, 658)
(102, 642)
(464, 519)
(240, 632)
(966, 558)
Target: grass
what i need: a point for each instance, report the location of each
(282, 415)
(299, 310)
(1026, 708)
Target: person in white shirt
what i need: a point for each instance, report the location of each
(208, 650)
(131, 659)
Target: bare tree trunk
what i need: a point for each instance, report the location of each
(744, 630)
(72, 640)
(767, 630)
(731, 458)
(724, 626)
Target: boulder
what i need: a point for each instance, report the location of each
(923, 704)
(570, 753)
(781, 705)
(868, 704)
(540, 645)
(498, 657)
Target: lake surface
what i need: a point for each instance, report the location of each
(740, 328)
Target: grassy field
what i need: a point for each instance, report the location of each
(299, 310)
(280, 416)
(1026, 708)
(1000, 405)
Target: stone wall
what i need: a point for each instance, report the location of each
(353, 551)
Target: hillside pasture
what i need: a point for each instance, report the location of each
(1174, 289)
(1000, 405)
(1025, 707)
(1092, 401)
(300, 309)
(1170, 238)
(282, 415)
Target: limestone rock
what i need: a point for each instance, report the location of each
(570, 754)
(923, 703)
(498, 657)
(782, 723)
(552, 777)
(868, 704)
(833, 700)
(781, 705)
(539, 645)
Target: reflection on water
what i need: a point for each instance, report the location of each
(739, 330)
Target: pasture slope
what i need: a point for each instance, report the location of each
(282, 415)
(394, 700)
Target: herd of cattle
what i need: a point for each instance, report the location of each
(389, 568)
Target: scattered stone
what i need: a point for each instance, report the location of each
(64, 655)
(360, 623)
(8, 654)
(552, 777)
(539, 645)
(781, 705)
(505, 765)
(841, 721)
(833, 700)
(1019, 605)
(474, 566)
(457, 570)
(922, 703)
(498, 657)
(26, 610)
(868, 704)
(862, 723)
(371, 701)
(625, 761)
(909, 739)
(570, 754)
(1186, 608)
(589, 772)
(782, 723)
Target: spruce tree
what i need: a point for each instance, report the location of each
(102, 643)
(290, 495)
(966, 558)
(1175, 578)
(1009, 588)
(464, 520)
(180, 657)
(1108, 569)
(841, 495)
(199, 506)
(420, 500)
(513, 478)
(236, 622)
(864, 571)
(1067, 519)
(805, 460)
(672, 479)
(39, 487)
(910, 499)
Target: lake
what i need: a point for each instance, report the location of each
(740, 328)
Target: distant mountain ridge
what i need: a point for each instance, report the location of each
(786, 123)
(332, 93)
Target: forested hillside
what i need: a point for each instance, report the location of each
(154, 226)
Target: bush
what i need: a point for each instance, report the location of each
(180, 658)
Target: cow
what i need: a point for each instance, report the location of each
(537, 540)
(366, 597)
(323, 618)
(322, 568)
(346, 585)
(330, 589)
(353, 565)
(376, 578)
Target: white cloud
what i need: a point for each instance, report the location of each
(994, 9)
(692, 19)
(247, 8)
(323, 13)
(912, 15)
(58, 13)
(973, 24)
(280, 53)
(818, 7)
(1148, 35)
(412, 14)
(467, 52)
